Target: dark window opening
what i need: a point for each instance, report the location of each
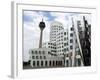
(37, 63)
(45, 63)
(41, 63)
(33, 63)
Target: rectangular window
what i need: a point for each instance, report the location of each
(67, 55)
(33, 57)
(65, 39)
(37, 63)
(33, 63)
(37, 57)
(65, 44)
(71, 40)
(71, 34)
(65, 49)
(79, 62)
(71, 47)
(40, 57)
(46, 63)
(44, 57)
(64, 33)
(48, 52)
(39, 52)
(67, 63)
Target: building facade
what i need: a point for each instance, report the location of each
(42, 57)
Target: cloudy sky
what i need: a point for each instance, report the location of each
(31, 20)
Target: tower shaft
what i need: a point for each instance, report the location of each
(40, 42)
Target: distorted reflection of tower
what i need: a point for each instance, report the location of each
(41, 26)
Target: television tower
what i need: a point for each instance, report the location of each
(41, 26)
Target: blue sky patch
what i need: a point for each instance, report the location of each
(27, 18)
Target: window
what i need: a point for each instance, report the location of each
(37, 57)
(67, 55)
(71, 40)
(37, 63)
(64, 38)
(33, 63)
(33, 57)
(56, 63)
(46, 63)
(40, 57)
(67, 62)
(65, 44)
(65, 49)
(41, 63)
(71, 28)
(71, 34)
(39, 52)
(48, 52)
(71, 47)
(64, 33)
(49, 63)
(44, 57)
(79, 62)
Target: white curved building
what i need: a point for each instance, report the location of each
(56, 36)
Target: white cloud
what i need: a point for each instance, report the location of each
(61, 17)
